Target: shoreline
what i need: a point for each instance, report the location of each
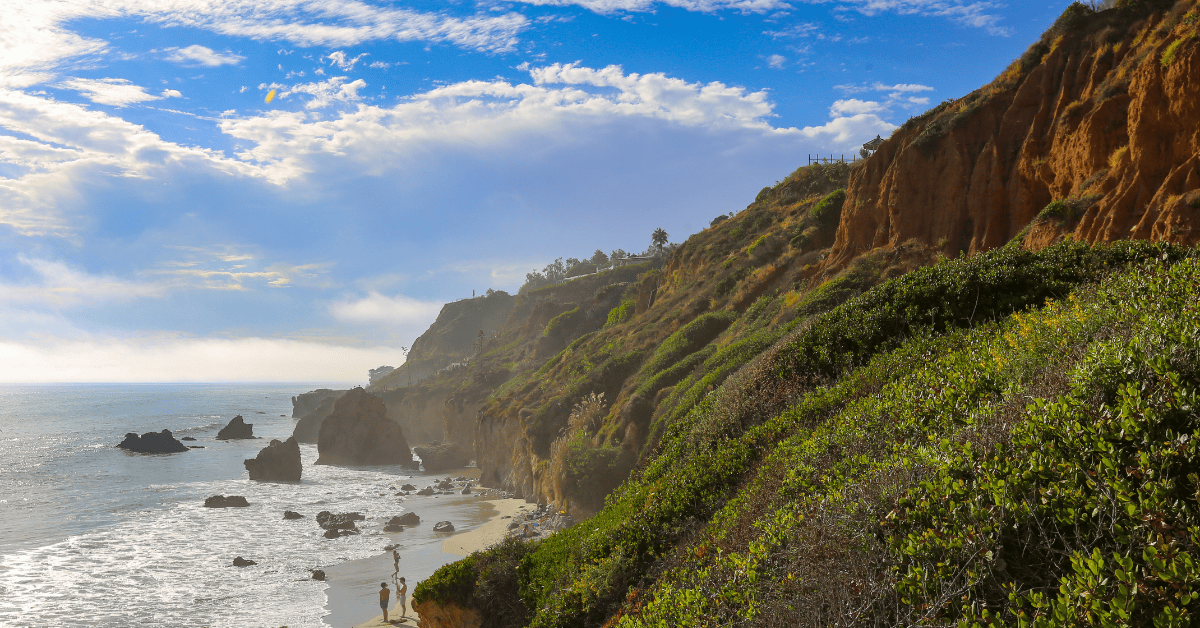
(353, 584)
(462, 544)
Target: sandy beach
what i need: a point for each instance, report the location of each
(481, 537)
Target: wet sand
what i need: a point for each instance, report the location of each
(460, 544)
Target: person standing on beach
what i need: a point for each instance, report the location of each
(396, 561)
(384, 594)
(402, 598)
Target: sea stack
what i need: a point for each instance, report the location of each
(437, 456)
(235, 429)
(152, 443)
(358, 433)
(277, 462)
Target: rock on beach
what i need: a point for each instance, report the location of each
(277, 462)
(236, 429)
(152, 443)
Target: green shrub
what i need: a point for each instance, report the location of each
(621, 313)
(828, 211)
(564, 323)
(688, 339)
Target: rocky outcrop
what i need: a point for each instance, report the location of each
(1108, 130)
(291, 514)
(308, 428)
(393, 525)
(277, 462)
(237, 428)
(408, 519)
(447, 615)
(437, 456)
(305, 403)
(318, 574)
(336, 525)
(152, 443)
(358, 432)
(221, 501)
(443, 526)
(242, 562)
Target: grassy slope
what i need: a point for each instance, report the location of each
(768, 501)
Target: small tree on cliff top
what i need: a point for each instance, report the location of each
(659, 238)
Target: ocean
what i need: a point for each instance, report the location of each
(92, 535)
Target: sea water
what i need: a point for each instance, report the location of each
(93, 535)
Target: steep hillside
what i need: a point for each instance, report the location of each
(799, 421)
(1093, 133)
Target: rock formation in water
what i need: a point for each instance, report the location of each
(152, 443)
(242, 562)
(336, 525)
(221, 501)
(443, 526)
(304, 403)
(277, 462)
(438, 456)
(237, 428)
(359, 433)
(291, 514)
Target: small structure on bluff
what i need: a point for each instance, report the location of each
(358, 432)
(870, 147)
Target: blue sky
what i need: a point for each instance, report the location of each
(160, 221)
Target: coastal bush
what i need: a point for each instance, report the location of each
(826, 213)
(621, 313)
(687, 340)
(562, 324)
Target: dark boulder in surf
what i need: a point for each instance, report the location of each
(221, 501)
(277, 462)
(236, 429)
(152, 443)
(242, 562)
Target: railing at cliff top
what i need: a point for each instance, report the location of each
(841, 159)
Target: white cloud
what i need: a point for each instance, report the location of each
(339, 59)
(172, 93)
(65, 145)
(37, 41)
(901, 87)
(379, 65)
(477, 114)
(378, 309)
(181, 359)
(58, 285)
(776, 61)
(854, 106)
(704, 6)
(335, 89)
(847, 132)
(109, 91)
(197, 55)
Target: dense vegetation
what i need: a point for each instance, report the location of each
(879, 465)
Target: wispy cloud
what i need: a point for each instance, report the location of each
(109, 91)
(776, 61)
(704, 6)
(978, 14)
(197, 55)
(379, 309)
(335, 89)
(56, 284)
(343, 62)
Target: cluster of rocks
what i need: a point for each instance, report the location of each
(277, 462)
(221, 501)
(152, 443)
(236, 429)
(446, 486)
(399, 522)
(539, 523)
(338, 525)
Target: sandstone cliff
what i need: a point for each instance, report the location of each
(1102, 115)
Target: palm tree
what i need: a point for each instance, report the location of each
(659, 238)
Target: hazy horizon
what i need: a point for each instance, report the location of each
(161, 220)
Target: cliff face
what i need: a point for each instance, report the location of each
(1103, 114)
